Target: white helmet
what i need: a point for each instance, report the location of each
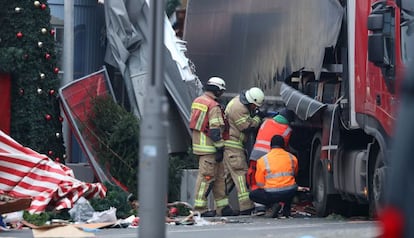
(255, 96)
(217, 81)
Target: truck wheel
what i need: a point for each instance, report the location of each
(319, 185)
(377, 187)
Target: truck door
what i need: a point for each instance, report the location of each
(383, 48)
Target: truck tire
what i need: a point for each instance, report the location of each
(376, 197)
(319, 184)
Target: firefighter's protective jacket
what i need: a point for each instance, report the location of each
(206, 114)
(267, 130)
(276, 171)
(239, 119)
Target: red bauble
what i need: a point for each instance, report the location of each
(50, 153)
(21, 92)
(56, 70)
(48, 117)
(43, 6)
(47, 56)
(60, 119)
(52, 92)
(52, 32)
(19, 35)
(57, 159)
(173, 212)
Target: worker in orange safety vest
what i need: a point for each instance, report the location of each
(278, 125)
(209, 129)
(275, 176)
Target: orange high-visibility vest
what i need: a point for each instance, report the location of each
(268, 129)
(276, 171)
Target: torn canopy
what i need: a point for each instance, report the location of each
(128, 50)
(26, 173)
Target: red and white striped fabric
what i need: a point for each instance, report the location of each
(26, 173)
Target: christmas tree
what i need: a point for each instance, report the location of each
(27, 53)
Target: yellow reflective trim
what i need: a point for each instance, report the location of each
(200, 193)
(199, 106)
(233, 144)
(222, 202)
(200, 203)
(241, 184)
(200, 121)
(203, 139)
(241, 120)
(206, 149)
(257, 119)
(219, 144)
(243, 196)
(216, 121)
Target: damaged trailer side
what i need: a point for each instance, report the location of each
(257, 43)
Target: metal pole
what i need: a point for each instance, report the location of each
(68, 55)
(153, 167)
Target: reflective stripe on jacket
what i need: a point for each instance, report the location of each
(267, 130)
(199, 112)
(276, 171)
(239, 119)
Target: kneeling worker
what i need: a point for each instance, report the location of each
(275, 178)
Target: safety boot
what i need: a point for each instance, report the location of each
(211, 213)
(227, 211)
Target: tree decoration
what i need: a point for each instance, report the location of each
(48, 117)
(52, 32)
(47, 56)
(56, 70)
(57, 159)
(57, 135)
(25, 29)
(43, 6)
(52, 92)
(60, 119)
(50, 153)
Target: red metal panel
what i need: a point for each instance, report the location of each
(76, 99)
(5, 111)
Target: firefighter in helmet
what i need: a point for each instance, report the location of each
(209, 129)
(241, 113)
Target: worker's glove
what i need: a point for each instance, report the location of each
(262, 113)
(219, 154)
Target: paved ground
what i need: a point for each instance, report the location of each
(249, 227)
